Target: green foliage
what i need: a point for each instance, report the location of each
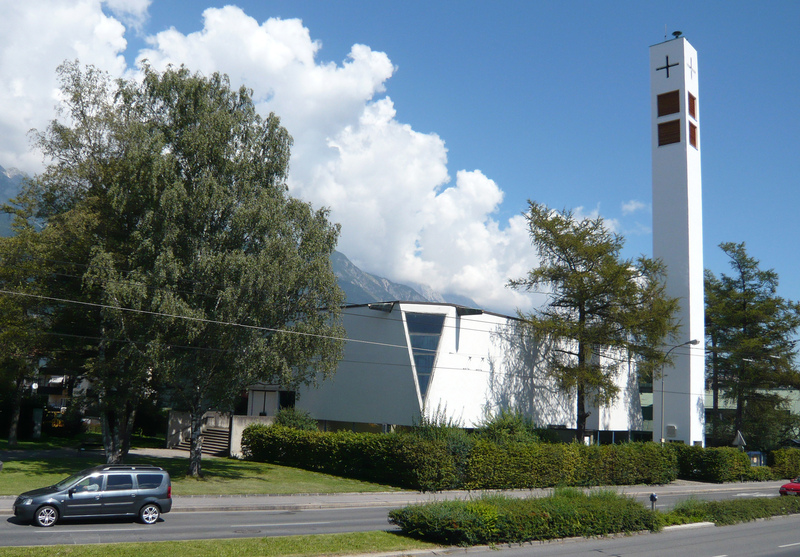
(724, 513)
(716, 464)
(401, 459)
(508, 426)
(294, 418)
(598, 301)
(786, 463)
(499, 519)
(169, 217)
(751, 332)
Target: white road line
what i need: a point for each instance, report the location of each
(278, 525)
(789, 545)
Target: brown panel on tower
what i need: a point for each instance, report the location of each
(669, 132)
(669, 103)
(692, 135)
(692, 106)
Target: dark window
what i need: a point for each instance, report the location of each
(286, 399)
(692, 135)
(148, 481)
(669, 103)
(669, 132)
(116, 482)
(424, 330)
(692, 106)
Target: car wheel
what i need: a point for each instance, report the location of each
(149, 513)
(46, 516)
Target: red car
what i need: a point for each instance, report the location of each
(792, 488)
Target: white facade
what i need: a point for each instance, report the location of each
(678, 234)
(405, 358)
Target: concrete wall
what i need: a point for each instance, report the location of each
(238, 424)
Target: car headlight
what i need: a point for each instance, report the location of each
(27, 501)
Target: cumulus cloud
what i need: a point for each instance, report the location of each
(403, 215)
(35, 37)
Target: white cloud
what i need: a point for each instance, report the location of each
(402, 215)
(634, 206)
(35, 37)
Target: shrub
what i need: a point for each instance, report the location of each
(786, 463)
(499, 519)
(296, 419)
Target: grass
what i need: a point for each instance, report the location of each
(326, 544)
(221, 476)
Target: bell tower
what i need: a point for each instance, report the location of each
(679, 395)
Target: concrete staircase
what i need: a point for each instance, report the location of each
(216, 441)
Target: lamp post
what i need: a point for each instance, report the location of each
(692, 342)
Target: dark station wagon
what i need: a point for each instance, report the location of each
(108, 490)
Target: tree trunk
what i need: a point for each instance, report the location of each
(117, 424)
(582, 415)
(15, 412)
(196, 445)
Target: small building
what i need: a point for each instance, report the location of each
(403, 360)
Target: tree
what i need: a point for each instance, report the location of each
(602, 309)
(21, 317)
(194, 264)
(750, 330)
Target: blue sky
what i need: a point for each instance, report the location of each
(427, 140)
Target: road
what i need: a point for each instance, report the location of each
(259, 516)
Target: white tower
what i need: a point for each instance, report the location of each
(678, 398)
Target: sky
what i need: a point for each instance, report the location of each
(426, 126)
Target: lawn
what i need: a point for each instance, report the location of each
(328, 544)
(222, 476)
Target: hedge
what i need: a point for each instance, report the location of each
(499, 519)
(394, 459)
(452, 461)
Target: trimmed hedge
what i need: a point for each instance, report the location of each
(725, 513)
(499, 519)
(718, 464)
(451, 459)
(786, 463)
(394, 459)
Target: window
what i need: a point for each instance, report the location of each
(148, 481)
(692, 135)
(118, 482)
(669, 132)
(424, 330)
(692, 106)
(669, 103)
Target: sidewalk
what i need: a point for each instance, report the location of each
(204, 503)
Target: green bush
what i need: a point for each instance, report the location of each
(403, 460)
(296, 419)
(786, 463)
(499, 519)
(724, 513)
(717, 464)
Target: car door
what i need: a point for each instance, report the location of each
(84, 498)
(119, 496)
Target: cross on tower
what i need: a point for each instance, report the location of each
(667, 66)
(690, 65)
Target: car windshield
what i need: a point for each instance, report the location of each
(73, 479)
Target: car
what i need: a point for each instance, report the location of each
(107, 490)
(792, 488)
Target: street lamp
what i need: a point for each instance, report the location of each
(692, 342)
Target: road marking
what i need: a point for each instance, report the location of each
(789, 545)
(273, 525)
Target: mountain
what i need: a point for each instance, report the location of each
(363, 288)
(10, 182)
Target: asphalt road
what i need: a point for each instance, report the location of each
(280, 515)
